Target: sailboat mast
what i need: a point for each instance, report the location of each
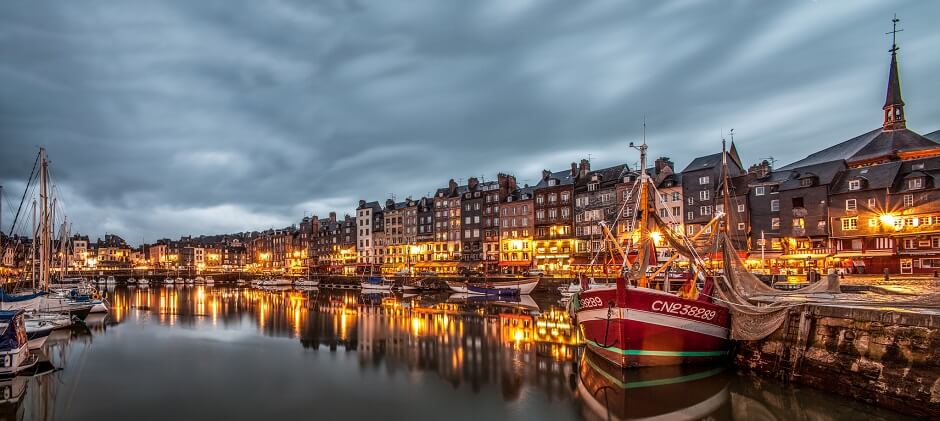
(32, 248)
(44, 220)
(644, 240)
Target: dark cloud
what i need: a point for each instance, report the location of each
(179, 116)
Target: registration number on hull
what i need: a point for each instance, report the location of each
(683, 310)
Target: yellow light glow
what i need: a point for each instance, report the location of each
(656, 236)
(887, 219)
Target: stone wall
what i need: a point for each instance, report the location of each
(889, 358)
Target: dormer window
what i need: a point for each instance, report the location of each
(806, 182)
(592, 186)
(915, 183)
(855, 184)
(552, 182)
(703, 180)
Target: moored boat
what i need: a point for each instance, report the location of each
(305, 282)
(632, 324)
(485, 290)
(14, 344)
(524, 285)
(374, 283)
(210, 281)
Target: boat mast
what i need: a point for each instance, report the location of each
(44, 219)
(32, 248)
(726, 192)
(643, 243)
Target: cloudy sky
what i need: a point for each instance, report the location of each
(174, 117)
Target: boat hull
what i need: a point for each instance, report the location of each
(639, 327)
(525, 286)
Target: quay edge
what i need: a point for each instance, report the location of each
(887, 357)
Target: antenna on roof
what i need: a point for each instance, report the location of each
(731, 133)
(771, 160)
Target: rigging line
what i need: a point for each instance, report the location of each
(32, 174)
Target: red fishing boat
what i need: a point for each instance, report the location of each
(631, 324)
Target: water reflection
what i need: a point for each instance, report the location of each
(257, 353)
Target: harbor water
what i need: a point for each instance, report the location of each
(198, 352)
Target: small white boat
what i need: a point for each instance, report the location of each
(101, 280)
(143, 281)
(40, 325)
(304, 282)
(168, 281)
(190, 281)
(256, 282)
(376, 284)
(210, 281)
(241, 282)
(131, 280)
(178, 281)
(524, 285)
(111, 281)
(99, 307)
(275, 282)
(14, 351)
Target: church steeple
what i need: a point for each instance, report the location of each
(894, 105)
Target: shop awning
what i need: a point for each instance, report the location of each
(717, 255)
(846, 254)
(804, 256)
(514, 263)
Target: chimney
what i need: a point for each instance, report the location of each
(389, 204)
(661, 163)
(472, 183)
(333, 216)
(452, 186)
(362, 204)
(546, 174)
(760, 170)
(584, 168)
(574, 169)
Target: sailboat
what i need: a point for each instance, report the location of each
(40, 298)
(631, 324)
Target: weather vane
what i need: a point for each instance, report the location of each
(894, 33)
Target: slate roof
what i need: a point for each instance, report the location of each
(609, 175)
(564, 178)
(876, 177)
(372, 205)
(704, 162)
(874, 144)
(934, 136)
(789, 179)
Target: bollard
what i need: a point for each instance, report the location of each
(887, 275)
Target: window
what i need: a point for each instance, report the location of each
(806, 182)
(909, 243)
(705, 210)
(565, 197)
(850, 205)
(775, 223)
(799, 223)
(662, 197)
(719, 208)
(675, 211)
(872, 222)
(741, 226)
(872, 203)
(740, 208)
(908, 200)
(935, 242)
(775, 205)
(690, 229)
(675, 196)
(855, 184)
(703, 180)
(759, 191)
(797, 202)
(592, 186)
(691, 201)
(690, 215)
(663, 212)
(849, 224)
(915, 183)
(703, 195)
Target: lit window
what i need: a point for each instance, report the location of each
(908, 200)
(849, 224)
